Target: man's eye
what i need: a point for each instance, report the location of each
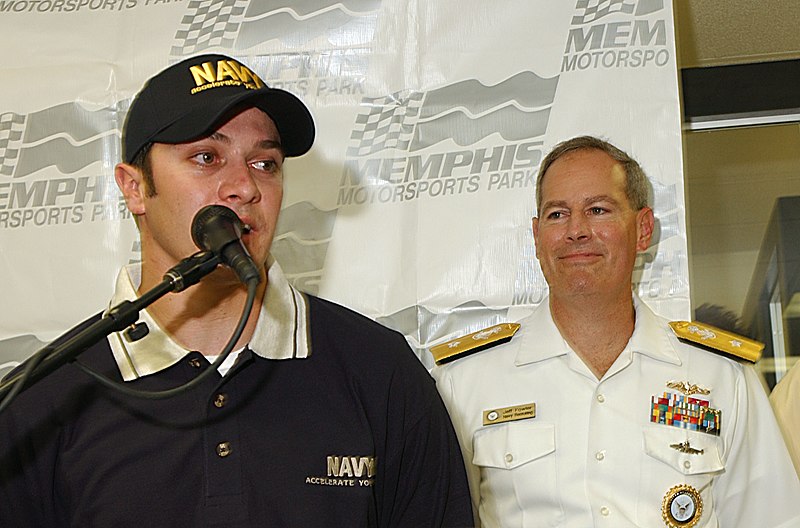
(555, 215)
(266, 165)
(205, 158)
(597, 210)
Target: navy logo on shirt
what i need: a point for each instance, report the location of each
(346, 470)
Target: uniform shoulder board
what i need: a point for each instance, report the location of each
(718, 340)
(471, 343)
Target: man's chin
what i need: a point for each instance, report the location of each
(577, 284)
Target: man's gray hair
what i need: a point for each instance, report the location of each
(636, 185)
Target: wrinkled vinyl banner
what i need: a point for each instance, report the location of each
(414, 206)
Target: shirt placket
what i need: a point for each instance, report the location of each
(600, 456)
(222, 448)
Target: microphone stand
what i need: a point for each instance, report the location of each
(186, 273)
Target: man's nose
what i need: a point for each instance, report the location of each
(578, 228)
(237, 184)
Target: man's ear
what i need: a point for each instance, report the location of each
(535, 226)
(645, 224)
(131, 183)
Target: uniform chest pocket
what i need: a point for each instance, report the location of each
(676, 457)
(510, 445)
(687, 452)
(518, 462)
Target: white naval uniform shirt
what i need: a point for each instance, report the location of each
(591, 456)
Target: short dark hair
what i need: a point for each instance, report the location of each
(142, 162)
(636, 184)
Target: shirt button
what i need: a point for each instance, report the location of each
(220, 400)
(604, 511)
(687, 464)
(509, 458)
(194, 362)
(601, 398)
(600, 455)
(224, 449)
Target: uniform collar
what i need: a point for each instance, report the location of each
(540, 339)
(281, 332)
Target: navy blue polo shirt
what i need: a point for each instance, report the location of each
(355, 434)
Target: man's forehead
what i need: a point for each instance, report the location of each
(588, 166)
(583, 200)
(585, 156)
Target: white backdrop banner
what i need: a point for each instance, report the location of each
(414, 206)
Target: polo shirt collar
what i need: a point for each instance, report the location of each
(540, 339)
(282, 331)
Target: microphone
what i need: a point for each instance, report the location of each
(218, 229)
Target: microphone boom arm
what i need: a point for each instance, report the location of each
(186, 273)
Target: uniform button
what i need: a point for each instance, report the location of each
(687, 464)
(220, 400)
(600, 455)
(224, 449)
(604, 511)
(601, 398)
(509, 458)
(194, 362)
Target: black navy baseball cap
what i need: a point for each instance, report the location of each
(189, 99)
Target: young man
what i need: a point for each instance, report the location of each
(588, 417)
(323, 418)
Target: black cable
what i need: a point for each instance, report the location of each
(186, 273)
(252, 288)
(22, 380)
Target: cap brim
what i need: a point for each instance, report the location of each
(291, 117)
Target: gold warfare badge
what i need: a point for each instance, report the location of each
(682, 507)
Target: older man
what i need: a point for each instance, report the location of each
(595, 414)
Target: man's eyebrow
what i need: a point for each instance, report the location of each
(219, 136)
(553, 203)
(600, 198)
(587, 201)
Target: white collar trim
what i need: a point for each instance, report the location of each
(282, 331)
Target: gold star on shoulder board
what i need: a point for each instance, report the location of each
(718, 340)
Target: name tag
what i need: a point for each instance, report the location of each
(509, 414)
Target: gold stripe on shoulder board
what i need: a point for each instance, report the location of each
(471, 343)
(718, 340)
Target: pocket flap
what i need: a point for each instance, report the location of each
(669, 445)
(510, 445)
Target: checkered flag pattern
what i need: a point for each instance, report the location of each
(387, 122)
(209, 23)
(11, 128)
(596, 9)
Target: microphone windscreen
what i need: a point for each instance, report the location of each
(204, 216)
